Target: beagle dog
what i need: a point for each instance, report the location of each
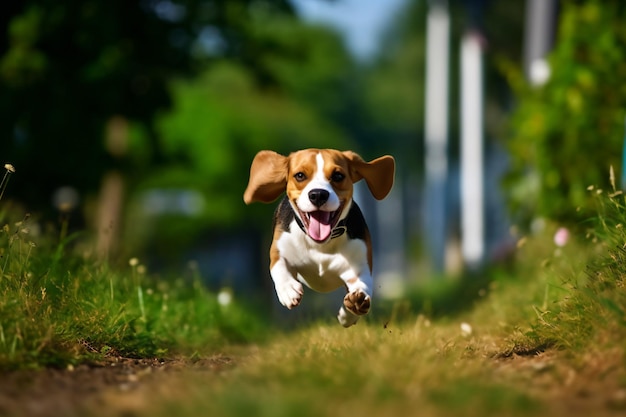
(320, 237)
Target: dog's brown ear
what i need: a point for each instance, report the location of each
(268, 177)
(378, 174)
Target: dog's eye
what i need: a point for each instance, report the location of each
(337, 177)
(300, 176)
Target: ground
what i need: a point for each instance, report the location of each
(111, 387)
(131, 387)
(594, 389)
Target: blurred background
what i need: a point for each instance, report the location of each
(135, 122)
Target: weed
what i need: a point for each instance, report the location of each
(9, 169)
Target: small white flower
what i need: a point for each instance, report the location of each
(225, 297)
(466, 329)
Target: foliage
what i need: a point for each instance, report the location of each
(189, 98)
(67, 68)
(391, 103)
(221, 118)
(566, 133)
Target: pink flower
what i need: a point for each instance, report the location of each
(561, 237)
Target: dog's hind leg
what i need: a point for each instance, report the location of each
(356, 303)
(346, 317)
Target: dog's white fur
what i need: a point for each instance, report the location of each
(298, 259)
(323, 268)
(319, 181)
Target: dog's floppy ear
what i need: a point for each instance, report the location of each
(268, 177)
(378, 174)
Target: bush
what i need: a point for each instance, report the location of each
(568, 132)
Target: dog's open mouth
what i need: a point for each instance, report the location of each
(319, 224)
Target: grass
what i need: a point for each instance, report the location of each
(543, 337)
(58, 311)
(59, 308)
(511, 340)
(593, 310)
(421, 368)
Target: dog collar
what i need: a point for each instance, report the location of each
(339, 229)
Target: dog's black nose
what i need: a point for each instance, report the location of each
(318, 196)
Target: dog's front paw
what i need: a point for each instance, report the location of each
(357, 302)
(290, 293)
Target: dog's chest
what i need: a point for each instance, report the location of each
(322, 267)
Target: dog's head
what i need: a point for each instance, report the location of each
(318, 183)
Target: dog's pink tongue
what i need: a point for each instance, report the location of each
(319, 225)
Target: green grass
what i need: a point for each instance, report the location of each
(58, 308)
(421, 368)
(592, 311)
(447, 347)
(411, 360)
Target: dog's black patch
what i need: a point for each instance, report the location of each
(284, 215)
(354, 222)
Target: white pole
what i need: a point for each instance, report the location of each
(436, 127)
(472, 193)
(437, 63)
(538, 37)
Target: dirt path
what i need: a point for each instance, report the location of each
(108, 386)
(129, 387)
(593, 388)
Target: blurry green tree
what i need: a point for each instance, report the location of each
(393, 97)
(220, 119)
(89, 86)
(67, 68)
(568, 132)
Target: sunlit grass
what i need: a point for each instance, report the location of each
(418, 368)
(58, 307)
(421, 357)
(58, 312)
(444, 348)
(592, 312)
